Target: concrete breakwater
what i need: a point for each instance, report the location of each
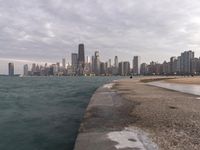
(107, 124)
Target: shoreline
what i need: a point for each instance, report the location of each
(167, 119)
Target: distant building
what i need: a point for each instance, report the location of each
(11, 69)
(81, 59)
(74, 59)
(109, 63)
(136, 65)
(186, 62)
(178, 65)
(115, 69)
(33, 69)
(124, 68)
(116, 64)
(64, 63)
(96, 63)
(121, 69)
(102, 68)
(173, 65)
(55, 69)
(26, 73)
(144, 69)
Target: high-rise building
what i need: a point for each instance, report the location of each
(11, 69)
(81, 59)
(116, 64)
(124, 68)
(121, 69)
(178, 66)
(109, 63)
(87, 59)
(186, 62)
(33, 69)
(136, 65)
(194, 65)
(64, 63)
(102, 68)
(173, 65)
(143, 69)
(93, 63)
(96, 63)
(26, 70)
(115, 69)
(74, 59)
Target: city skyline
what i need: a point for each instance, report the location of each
(19, 67)
(40, 31)
(184, 64)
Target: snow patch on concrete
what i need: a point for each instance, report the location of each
(108, 86)
(132, 138)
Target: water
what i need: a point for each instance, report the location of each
(43, 113)
(185, 88)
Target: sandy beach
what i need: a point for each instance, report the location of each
(172, 118)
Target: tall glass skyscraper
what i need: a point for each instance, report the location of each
(81, 59)
(11, 69)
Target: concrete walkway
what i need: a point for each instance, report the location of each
(106, 125)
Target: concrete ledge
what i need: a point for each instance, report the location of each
(108, 114)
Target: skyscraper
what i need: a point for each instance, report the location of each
(33, 69)
(64, 63)
(186, 62)
(11, 69)
(96, 63)
(136, 65)
(121, 69)
(93, 63)
(26, 70)
(116, 64)
(109, 63)
(81, 59)
(115, 69)
(74, 59)
(173, 65)
(102, 68)
(124, 68)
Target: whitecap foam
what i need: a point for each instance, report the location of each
(132, 138)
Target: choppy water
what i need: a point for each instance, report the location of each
(43, 113)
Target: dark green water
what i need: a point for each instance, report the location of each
(43, 113)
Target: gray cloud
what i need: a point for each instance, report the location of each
(47, 30)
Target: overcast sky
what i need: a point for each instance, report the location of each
(48, 30)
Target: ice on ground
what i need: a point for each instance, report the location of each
(198, 97)
(108, 86)
(132, 138)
